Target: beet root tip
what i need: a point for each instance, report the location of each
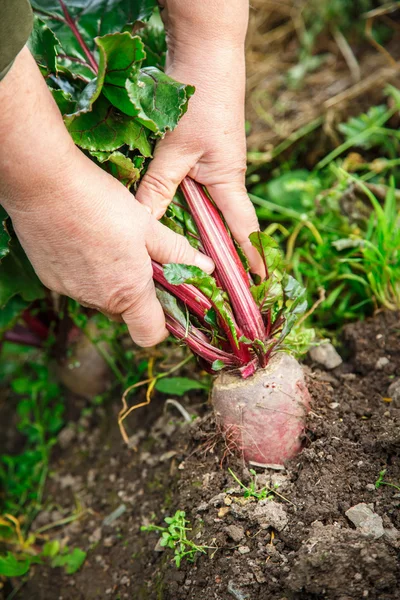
(264, 414)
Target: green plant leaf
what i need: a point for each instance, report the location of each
(106, 129)
(267, 293)
(267, 248)
(178, 386)
(11, 566)
(121, 56)
(64, 101)
(5, 237)
(91, 18)
(51, 549)
(11, 311)
(364, 123)
(43, 45)
(71, 560)
(160, 100)
(18, 277)
(218, 365)
(120, 166)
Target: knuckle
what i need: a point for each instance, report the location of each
(181, 249)
(156, 184)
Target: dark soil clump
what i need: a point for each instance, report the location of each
(298, 546)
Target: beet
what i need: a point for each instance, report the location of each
(264, 415)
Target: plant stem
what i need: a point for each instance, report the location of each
(219, 246)
(72, 25)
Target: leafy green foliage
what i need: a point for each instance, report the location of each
(40, 408)
(13, 566)
(71, 560)
(174, 536)
(178, 386)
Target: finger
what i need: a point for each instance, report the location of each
(166, 246)
(145, 318)
(234, 203)
(164, 174)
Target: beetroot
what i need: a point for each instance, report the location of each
(263, 416)
(236, 322)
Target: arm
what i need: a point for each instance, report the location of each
(206, 48)
(84, 233)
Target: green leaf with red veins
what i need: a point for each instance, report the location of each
(268, 249)
(177, 274)
(106, 129)
(88, 19)
(160, 100)
(267, 293)
(43, 45)
(121, 56)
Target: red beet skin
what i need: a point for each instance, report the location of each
(264, 416)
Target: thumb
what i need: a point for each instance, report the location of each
(238, 210)
(164, 174)
(166, 246)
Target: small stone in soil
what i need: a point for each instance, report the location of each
(367, 522)
(235, 532)
(381, 363)
(326, 355)
(244, 549)
(270, 514)
(394, 392)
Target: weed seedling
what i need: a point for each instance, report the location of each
(251, 490)
(174, 536)
(381, 481)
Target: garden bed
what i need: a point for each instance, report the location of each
(300, 547)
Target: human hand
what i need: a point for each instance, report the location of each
(84, 233)
(209, 142)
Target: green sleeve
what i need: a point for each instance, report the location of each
(15, 27)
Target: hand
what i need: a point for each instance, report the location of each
(209, 142)
(84, 233)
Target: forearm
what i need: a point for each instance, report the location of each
(193, 23)
(34, 141)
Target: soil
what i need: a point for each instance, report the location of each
(298, 546)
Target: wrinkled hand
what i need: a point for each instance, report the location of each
(89, 239)
(84, 233)
(209, 142)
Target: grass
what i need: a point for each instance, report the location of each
(381, 481)
(339, 223)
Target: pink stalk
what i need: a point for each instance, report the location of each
(72, 25)
(230, 271)
(198, 304)
(199, 343)
(195, 300)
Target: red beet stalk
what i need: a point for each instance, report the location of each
(199, 343)
(219, 246)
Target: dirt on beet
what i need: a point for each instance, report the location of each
(299, 546)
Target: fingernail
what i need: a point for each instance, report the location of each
(205, 263)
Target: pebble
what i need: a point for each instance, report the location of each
(235, 532)
(394, 392)
(381, 363)
(270, 514)
(370, 487)
(223, 511)
(367, 522)
(125, 580)
(244, 549)
(326, 355)
(66, 437)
